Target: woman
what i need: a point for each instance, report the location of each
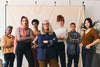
(35, 24)
(23, 39)
(7, 46)
(62, 34)
(47, 52)
(88, 42)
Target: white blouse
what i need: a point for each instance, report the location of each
(62, 32)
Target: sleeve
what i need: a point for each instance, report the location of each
(4, 43)
(65, 35)
(40, 41)
(95, 34)
(78, 40)
(24, 38)
(53, 42)
(13, 37)
(35, 39)
(70, 40)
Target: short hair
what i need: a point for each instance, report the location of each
(35, 20)
(72, 24)
(90, 21)
(60, 18)
(10, 27)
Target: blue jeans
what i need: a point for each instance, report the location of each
(9, 59)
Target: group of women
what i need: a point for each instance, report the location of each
(42, 47)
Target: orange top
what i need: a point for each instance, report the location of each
(89, 37)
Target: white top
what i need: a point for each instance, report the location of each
(62, 32)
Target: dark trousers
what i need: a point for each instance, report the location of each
(71, 58)
(87, 56)
(61, 53)
(9, 59)
(24, 49)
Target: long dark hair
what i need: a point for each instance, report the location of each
(90, 21)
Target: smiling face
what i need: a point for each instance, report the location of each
(24, 22)
(45, 25)
(87, 24)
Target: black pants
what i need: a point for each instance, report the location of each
(87, 56)
(21, 49)
(9, 59)
(73, 57)
(61, 53)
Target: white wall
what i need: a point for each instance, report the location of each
(92, 7)
(2, 17)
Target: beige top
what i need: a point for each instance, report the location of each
(62, 32)
(7, 44)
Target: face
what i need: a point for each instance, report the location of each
(35, 25)
(73, 27)
(24, 22)
(9, 30)
(45, 25)
(87, 24)
(61, 23)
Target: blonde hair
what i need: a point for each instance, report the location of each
(50, 28)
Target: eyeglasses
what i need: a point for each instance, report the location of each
(46, 24)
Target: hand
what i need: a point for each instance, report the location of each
(32, 37)
(35, 46)
(81, 44)
(45, 41)
(53, 38)
(88, 47)
(10, 36)
(60, 37)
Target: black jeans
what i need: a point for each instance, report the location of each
(21, 49)
(61, 53)
(73, 57)
(9, 59)
(87, 56)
